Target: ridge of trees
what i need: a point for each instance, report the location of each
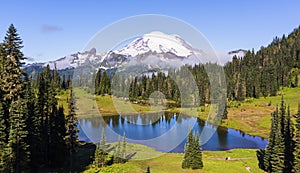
(257, 74)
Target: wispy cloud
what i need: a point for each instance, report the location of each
(51, 28)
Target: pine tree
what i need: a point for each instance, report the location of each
(3, 144)
(71, 128)
(277, 160)
(225, 114)
(123, 154)
(100, 153)
(297, 144)
(63, 83)
(56, 78)
(192, 152)
(2, 58)
(196, 162)
(288, 142)
(269, 151)
(279, 156)
(117, 154)
(12, 84)
(58, 132)
(19, 155)
(33, 127)
(186, 163)
(103, 141)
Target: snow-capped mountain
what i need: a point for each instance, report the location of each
(158, 42)
(155, 50)
(77, 59)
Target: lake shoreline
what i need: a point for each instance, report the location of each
(221, 125)
(142, 129)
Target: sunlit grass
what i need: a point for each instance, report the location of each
(251, 116)
(214, 161)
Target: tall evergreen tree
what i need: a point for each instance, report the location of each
(269, 151)
(33, 128)
(100, 153)
(3, 144)
(196, 162)
(19, 155)
(12, 84)
(123, 154)
(288, 142)
(192, 152)
(297, 144)
(71, 128)
(117, 154)
(187, 151)
(278, 158)
(279, 154)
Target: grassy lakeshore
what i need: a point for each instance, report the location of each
(214, 161)
(251, 116)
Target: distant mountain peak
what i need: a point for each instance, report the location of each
(154, 49)
(157, 42)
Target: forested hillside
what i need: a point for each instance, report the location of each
(262, 73)
(257, 74)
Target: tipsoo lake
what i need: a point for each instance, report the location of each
(166, 132)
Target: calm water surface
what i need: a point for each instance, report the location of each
(165, 132)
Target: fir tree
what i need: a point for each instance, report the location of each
(269, 151)
(33, 128)
(186, 163)
(19, 155)
(196, 162)
(3, 144)
(100, 153)
(12, 84)
(192, 152)
(225, 114)
(288, 142)
(71, 128)
(277, 160)
(117, 154)
(123, 154)
(297, 144)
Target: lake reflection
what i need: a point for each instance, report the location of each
(165, 132)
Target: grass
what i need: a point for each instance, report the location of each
(214, 161)
(251, 116)
(90, 105)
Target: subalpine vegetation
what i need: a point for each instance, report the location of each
(36, 134)
(257, 74)
(34, 131)
(192, 152)
(282, 152)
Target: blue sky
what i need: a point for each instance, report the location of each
(52, 29)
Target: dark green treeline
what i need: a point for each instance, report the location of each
(255, 75)
(33, 128)
(282, 152)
